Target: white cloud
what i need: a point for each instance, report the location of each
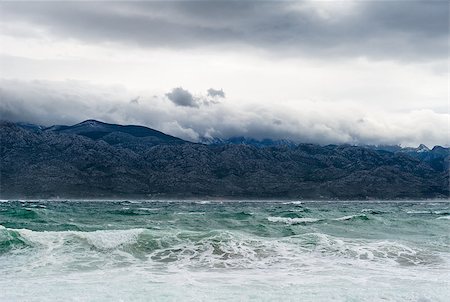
(314, 121)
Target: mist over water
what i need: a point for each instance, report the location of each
(228, 251)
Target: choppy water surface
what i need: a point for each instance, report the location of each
(227, 251)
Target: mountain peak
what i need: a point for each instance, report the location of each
(90, 122)
(422, 148)
(125, 135)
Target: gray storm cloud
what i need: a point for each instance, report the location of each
(215, 93)
(182, 97)
(400, 30)
(135, 100)
(69, 102)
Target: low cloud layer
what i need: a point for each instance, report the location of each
(70, 102)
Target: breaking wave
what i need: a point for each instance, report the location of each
(304, 220)
(102, 239)
(213, 249)
(195, 251)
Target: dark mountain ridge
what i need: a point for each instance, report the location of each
(242, 140)
(101, 129)
(99, 160)
(129, 136)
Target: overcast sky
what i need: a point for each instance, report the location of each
(359, 72)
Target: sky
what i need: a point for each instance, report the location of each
(327, 72)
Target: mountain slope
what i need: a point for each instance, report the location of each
(241, 140)
(130, 136)
(61, 162)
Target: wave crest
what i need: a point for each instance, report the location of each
(352, 217)
(289, 220)
(213, 249)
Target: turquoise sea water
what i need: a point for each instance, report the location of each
(224, 251)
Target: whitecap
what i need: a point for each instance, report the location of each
(419, 212)
(293, 202)
(297, 210)
(203, 201)
(289, 220)
(441, 212)
(102, 239)
(149, 209)
(190, 213)
(444, 217)
(349, 217)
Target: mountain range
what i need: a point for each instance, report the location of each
(93, 159)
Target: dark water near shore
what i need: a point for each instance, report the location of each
(228, 251)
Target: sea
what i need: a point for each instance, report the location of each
(173, 250)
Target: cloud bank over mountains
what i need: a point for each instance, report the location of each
(181, 114)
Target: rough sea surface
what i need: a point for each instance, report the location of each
(224, 251)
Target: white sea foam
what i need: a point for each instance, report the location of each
(226, 265)
(419, 212)
(102, 239)
(436, 212)
(204, 201)
(149, 209)
(293, 202)
(297, 210)
(216, 259)
(441, 212)
(190, 213)
(289, 220)
(349, 217)
(383, 251)
(444, 217)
